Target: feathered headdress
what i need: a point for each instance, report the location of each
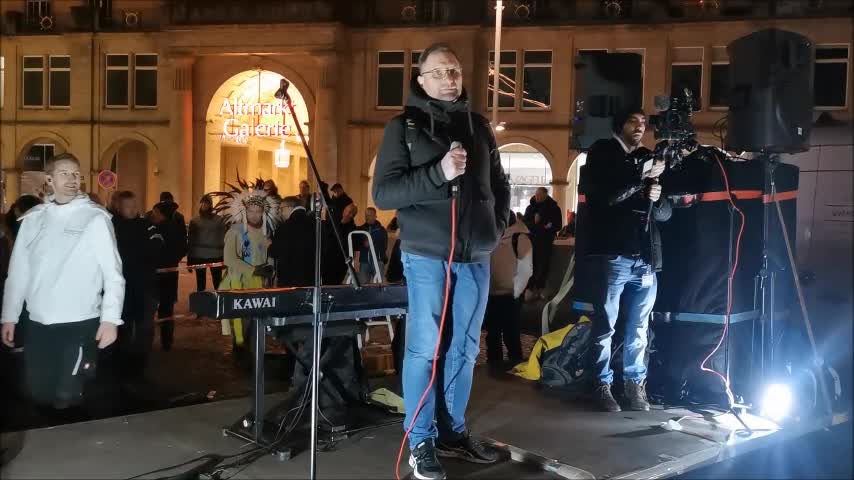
(233, 205)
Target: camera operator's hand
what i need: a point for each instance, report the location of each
(653, 192)
(656, 170)
(454, 163)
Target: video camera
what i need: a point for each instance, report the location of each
(673, 129)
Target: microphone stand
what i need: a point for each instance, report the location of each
(319, 202)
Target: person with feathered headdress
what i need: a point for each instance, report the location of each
(251, 213)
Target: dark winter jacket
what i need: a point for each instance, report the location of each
(334, 270)
(174, 232)
(549, 212)
(293, 249)
(409, 178)
(380, 238)
(338, 204)
(394, 271)
(206, 236)
(139, 244)
(5, 256)
(617, 207)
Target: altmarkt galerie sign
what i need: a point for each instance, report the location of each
(253, 119)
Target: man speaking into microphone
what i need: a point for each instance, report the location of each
(436, 160)
(623, 252)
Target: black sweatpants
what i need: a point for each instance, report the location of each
(502, 323)
(201, 273)
(136, 337)
(543, 246)
(167, 289)
(59, 360)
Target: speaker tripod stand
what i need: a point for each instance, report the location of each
(767, 284)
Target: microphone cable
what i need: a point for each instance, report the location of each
(730, 281)
(454, 190)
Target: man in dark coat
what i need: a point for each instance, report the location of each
(139, 243)
(338, 201)
(333, 266)
(174, 231)
(544, 220)
(293, 246)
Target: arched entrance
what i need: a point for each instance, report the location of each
(132, 162)
(251, 133)
(31, 162)
(528, 170)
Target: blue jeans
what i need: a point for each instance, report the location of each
(619, 278)
(446, 403)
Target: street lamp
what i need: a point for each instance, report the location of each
(496, 62)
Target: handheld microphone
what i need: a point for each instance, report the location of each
(282, 92)
(455, 183)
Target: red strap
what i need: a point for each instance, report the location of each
(780, 196)
(739, 195)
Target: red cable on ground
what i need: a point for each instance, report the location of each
(730, 281)
(438, 340)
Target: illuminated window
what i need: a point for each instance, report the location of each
(414, 64)
(33, 82)
(145, 80)
(830, 84)
(686, 71)
(719, 79)
(59, 80)
(117, 81)
(390, 73)
(537, 73)
(506, 79)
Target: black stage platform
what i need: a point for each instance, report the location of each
(545, 436)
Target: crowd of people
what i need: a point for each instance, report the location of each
(246, 239)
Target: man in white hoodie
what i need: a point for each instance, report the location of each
(66, 267)
(512, 266)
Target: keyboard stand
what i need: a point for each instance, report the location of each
(257, 426)
(250, 428)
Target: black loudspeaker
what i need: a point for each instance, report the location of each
(771, 92)
(606, 84)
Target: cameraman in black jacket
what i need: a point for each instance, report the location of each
(622, 251)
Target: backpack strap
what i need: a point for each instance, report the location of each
(412, 127)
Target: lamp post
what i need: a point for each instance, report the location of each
(496, 61)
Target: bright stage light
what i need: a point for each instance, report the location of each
(777, 402)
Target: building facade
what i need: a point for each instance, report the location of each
(180, 95)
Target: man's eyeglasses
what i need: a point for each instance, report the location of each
(443, 73)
